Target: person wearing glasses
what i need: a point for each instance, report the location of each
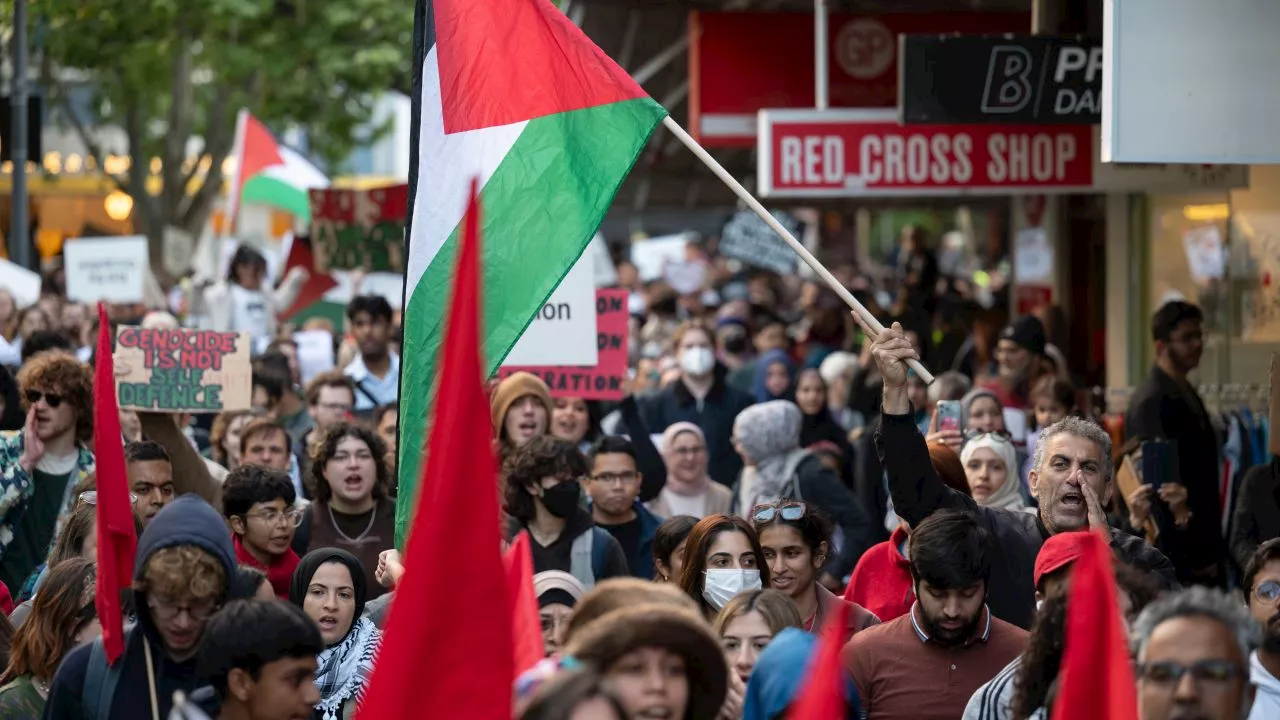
(182, 575)
(1192, 651)
(41, 464)
(258, 505)
(351, 506)
(542, 484)
(688, 489)
(1261, 586)
(796, 539)
(614, 490)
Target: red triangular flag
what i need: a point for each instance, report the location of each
(559, 68)
(526, 622)
(469, 670)
(255, 150)
(1096, 679)
(823, 695)
(317, 284)
(117, 541)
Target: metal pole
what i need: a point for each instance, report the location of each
(820, 54)
(19, 232)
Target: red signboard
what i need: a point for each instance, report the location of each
(852, 153)
(604, 381)
(743, 62)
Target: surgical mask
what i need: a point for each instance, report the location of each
(561, 500)
(698, 362)
(719, 586)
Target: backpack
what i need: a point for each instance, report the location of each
(100, 680)
(588, 556)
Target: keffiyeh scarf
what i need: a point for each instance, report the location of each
(344, 668)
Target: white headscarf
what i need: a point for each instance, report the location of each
(1007, 495)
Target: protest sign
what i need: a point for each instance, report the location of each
(23, 284)
(113, 269)
(353, 229)
(652, 255)
(747, 238)
(199, 371)
(604, 380)
(564, 330)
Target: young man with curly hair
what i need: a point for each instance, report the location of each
(182, 573)
(41, 463)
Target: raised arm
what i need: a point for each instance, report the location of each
(190, 474)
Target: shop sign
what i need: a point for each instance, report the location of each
(1000, 79)
(866, 153)
(743, 62)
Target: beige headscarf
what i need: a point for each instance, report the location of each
(1008, 496)
(674, 484)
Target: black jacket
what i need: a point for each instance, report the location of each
(559, 554)
(1016, 536)
(186, 521)
(715, 416)
(1161, 407)
(1257, 512)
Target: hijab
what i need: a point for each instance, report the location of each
(762, 371)
(342, 669)
(967, 401)
(769, 435)
(1009, 496)
(674, 484)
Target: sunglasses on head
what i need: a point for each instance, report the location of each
(998, 435)
(790, 510)
(51, 399)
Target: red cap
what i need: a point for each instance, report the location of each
(1058, 551)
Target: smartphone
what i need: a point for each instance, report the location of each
(1157, 463)
(949, 415)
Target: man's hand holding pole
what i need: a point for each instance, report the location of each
(891, 350)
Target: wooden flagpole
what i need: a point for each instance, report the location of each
(867, 319)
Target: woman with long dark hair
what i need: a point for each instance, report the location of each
(723, 557)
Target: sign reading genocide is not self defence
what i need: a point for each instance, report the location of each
(200, 371)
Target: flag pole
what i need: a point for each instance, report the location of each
(867, 319)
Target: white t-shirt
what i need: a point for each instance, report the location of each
(249, 312)
(1266, 700)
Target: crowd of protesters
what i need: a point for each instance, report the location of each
(771, 468)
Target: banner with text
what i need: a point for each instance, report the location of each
(604, 380)
(747, 238)
(199, 371)
(353, 229)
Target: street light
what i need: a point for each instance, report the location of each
(118, 205)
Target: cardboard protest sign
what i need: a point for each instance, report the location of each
(353, 229)
(199, 371)
(604, 380)
(747, 238)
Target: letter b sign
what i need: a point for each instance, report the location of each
(1008, 88)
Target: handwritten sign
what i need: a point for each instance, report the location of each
(112, 269)
(605, 379)
(353, 229)
(200, 371)
(747, 238)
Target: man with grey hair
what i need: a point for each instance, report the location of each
(1192, 649)
(1071, 479)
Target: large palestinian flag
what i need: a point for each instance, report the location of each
(512, 92)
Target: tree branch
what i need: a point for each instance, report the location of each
(51, 80)
(179, 130)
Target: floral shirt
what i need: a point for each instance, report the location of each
(17, 488)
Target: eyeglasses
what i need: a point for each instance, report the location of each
(689, 451)
(53, 400)
(90, 497)
(626, 478)
(790, 510)
(997, 435)
(1170, 673)
(1268, 591)
(166, 609)
(272, 517)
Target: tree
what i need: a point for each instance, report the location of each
(173, 73)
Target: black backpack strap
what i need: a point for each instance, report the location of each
(100, 682)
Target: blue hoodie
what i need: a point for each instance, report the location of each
(780, 673)
(186, 521)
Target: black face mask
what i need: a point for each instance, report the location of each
(561, 500)
(735, 344)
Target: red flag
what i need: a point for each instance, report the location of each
(526, 623)
(317, 284)
(1096, 680)
(469, 670)
(117, 542)
(823, 696)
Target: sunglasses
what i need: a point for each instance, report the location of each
(90, 497)
(791, 510)
(50, 399)
(997, 435)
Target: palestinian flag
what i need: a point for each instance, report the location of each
(269, 173)
(512, 92)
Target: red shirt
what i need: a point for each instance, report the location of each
(881, 581)
(279, 573)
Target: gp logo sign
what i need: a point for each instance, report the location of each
(865, 48)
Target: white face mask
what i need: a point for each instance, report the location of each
(721, 585)
(697, 361)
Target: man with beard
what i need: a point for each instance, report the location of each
(1020, 359)
(1070, 477)
(949, 629)
(1166, 406)
(376, 372)
(1192, 657)
(1262, 592)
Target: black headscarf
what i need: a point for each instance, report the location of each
(312, 561)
